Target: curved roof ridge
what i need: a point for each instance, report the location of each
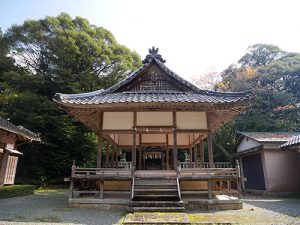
(60, 96)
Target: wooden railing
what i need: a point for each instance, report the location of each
(205, 165)
(99, 173)
(211, 175)
(204, 173)
(127, 165)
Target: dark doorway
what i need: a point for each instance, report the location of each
(153, 158)
(253, 171)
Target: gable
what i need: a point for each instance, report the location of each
(247, 143)
(153, 79)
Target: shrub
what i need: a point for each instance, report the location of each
(16, 190)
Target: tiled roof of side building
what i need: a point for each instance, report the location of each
(270, 136)
(18, 130)
(292, 142)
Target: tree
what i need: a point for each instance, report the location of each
(207, 81)
(70, 54)
(56, 54)
(273, 76)
(261, 55)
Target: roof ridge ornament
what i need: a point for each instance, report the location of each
(153, 54)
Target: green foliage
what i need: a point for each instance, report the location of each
(273, 76)
(69, 54)
(56, 54)
(16, 190)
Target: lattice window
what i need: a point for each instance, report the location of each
(11, 170)
(154, 81)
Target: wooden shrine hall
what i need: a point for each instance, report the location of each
(151, 128)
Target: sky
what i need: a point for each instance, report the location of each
(194, 36)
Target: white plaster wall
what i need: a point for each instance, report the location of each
(154, 119)
(247, 143)
(191, 120)
(153, 138)
(282, 170)
(117, 120)
(126, 139)
(182, 139)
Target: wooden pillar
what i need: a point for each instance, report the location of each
(242, 171)
(195, 155)
(210, 150)
(101, 186)
(174, 141)
(100, 144)
(167, 158)
(72, 179)
(113, 147)
(201, 154)
(191, 156)
(107, 153)
(134, 141)
(3, 167)
(144, 162)
(209, 185)
(117, 154)
(239, 185)
(140, 157)
(99, 153)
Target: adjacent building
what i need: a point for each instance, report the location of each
(9, 135)
(269, 162)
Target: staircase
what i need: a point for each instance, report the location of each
(155, 195)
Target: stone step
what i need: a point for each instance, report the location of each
(156, 209)
(138, 189)
(156, 204)
(153, 182)
(155, 198)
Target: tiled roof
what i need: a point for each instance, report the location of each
(270, 136)
(155, 97)
(292, 142)
(195, 95)
(18, 130)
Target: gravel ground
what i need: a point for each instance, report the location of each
(53, 208)
(257, 210)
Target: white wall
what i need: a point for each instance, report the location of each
(247, 143)
(282, 170)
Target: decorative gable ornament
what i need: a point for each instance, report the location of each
(153, 54)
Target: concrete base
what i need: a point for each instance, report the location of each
(220, 202)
